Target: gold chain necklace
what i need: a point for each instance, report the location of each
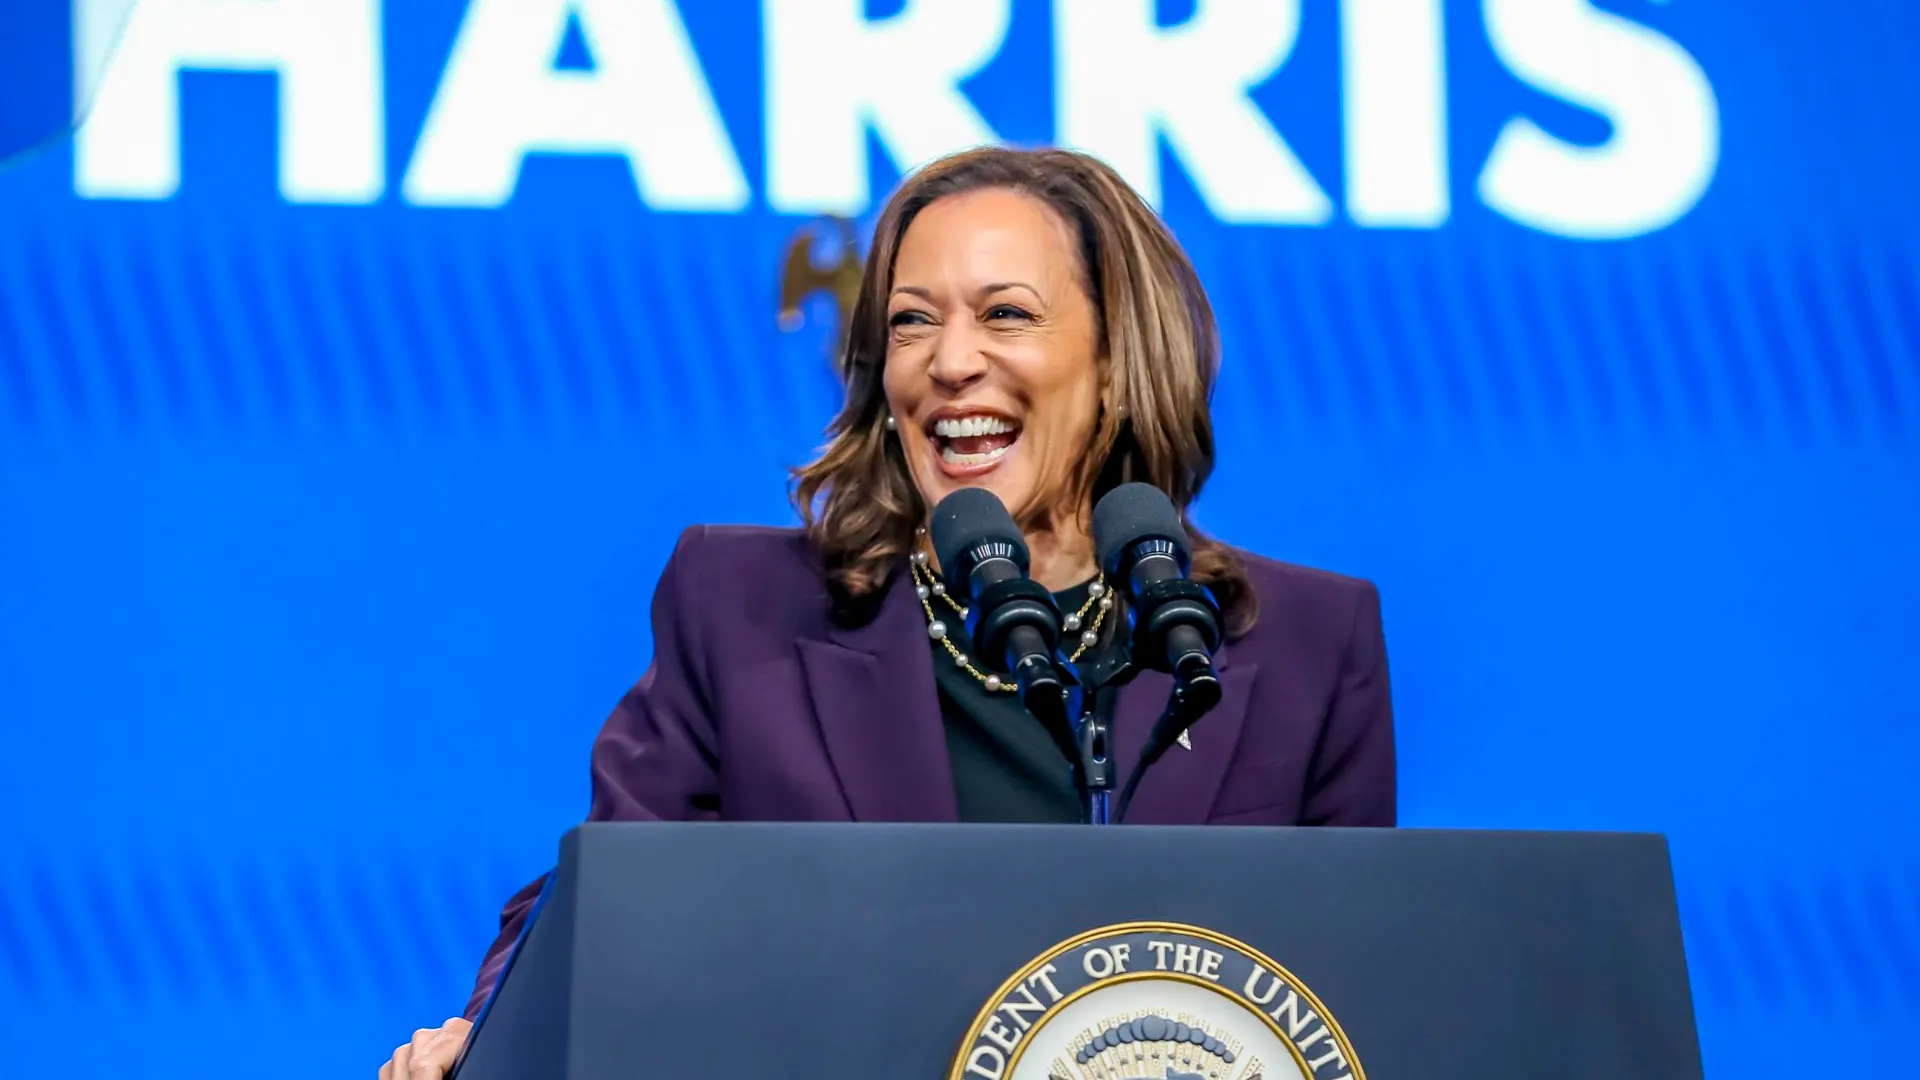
(929, 589)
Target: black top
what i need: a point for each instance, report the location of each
(1005, 766)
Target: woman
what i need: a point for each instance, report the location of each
(1026, 324)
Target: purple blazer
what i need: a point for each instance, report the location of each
(759, 707)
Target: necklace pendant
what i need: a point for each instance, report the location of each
(1185, 743)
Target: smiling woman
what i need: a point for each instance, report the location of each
(1037, 332)
(1026, 325)
(980, 359)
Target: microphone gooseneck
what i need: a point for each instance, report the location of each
(1012, 621)
(1175, 620)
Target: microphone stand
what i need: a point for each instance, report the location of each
(1196, 690)
(1190, 699)
(1094, 770)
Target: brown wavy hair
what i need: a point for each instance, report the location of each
(1160, 355)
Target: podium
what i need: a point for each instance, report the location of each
(682, 951)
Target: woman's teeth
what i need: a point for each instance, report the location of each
(971, 425)
(973, 440)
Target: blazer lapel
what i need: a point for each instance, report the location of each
(1181, 787)
(873, 695)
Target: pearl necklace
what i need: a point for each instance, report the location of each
(929, 589)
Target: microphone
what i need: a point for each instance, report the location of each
(1176, 623)
(1144, 550)
(1012, 620)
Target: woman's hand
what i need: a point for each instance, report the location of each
(430, 1054)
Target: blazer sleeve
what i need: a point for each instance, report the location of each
(1352, 780)
(655, 758)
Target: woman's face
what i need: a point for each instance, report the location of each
(992, 375)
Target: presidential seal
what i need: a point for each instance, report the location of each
(1154, 1001)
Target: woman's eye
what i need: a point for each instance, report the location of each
(907, 318)
(1006, 311)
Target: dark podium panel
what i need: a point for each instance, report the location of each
(848, 951)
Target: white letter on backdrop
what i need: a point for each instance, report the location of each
(325, 52)
(832, 74)
(501, 98)
(1120, 81)
(1666, 123)
(1393, 68)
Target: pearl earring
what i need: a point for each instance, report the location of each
(891, 426)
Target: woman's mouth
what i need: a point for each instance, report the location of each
(969, 445)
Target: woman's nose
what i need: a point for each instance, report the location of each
(957, 360)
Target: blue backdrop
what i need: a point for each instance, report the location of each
(337, 462)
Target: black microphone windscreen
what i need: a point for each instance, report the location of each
(1131, 513)
(961, 522)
